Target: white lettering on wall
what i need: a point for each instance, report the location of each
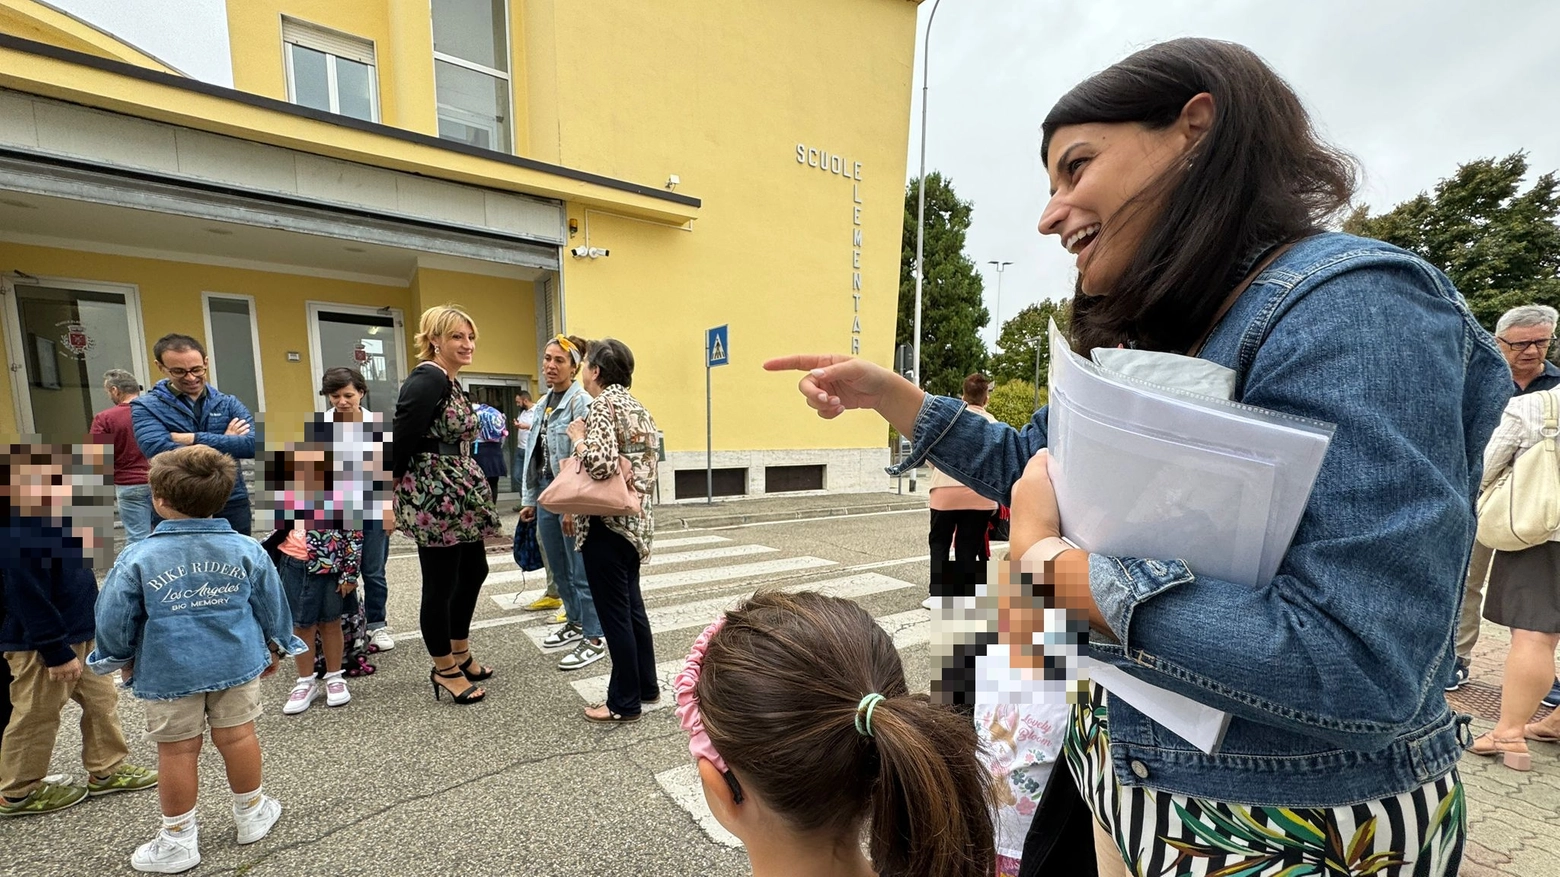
(838, 165)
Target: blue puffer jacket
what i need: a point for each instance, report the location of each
(162, 410)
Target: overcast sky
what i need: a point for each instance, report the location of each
(1412, 89)
(191, 35)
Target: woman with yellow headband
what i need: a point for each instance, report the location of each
(547, 446)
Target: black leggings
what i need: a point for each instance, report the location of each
(452, 577)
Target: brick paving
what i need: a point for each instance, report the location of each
(1513, 818)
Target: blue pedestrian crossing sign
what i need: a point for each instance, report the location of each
(717, 347)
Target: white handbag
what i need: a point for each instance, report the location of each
(1522, 508)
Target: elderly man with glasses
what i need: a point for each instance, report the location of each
(182, 409)
(1524, 336)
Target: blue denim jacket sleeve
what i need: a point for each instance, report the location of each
(1344, 643)
(988, 457)
(120, 616)
(268, 602)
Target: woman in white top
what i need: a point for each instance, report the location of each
(360, 448)
(1524, 595)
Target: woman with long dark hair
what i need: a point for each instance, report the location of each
(435, 503)
(1190, 184)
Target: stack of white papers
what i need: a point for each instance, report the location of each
(1146, 463)
(1150, 470)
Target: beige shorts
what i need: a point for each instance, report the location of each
(169, 721)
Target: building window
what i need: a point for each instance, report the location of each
(329, 70)
(471, 71)
(234, 342)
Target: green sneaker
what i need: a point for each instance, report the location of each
(125, 778)
(46, 798)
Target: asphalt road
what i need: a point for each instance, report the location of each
(394, 783)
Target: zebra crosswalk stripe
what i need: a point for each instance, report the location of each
(701, 612)
(708, 554)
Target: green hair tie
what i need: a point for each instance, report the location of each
(864, 713)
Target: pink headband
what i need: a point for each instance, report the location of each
(688, 702)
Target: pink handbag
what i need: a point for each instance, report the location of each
(574, 492)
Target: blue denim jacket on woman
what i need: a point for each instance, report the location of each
(1333, 672)
(572, 405)
(194, 605)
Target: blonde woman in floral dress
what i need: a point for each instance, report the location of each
(436, 504)
(614, 548)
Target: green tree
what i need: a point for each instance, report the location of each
(952, 314)
(1500, 246)
(1013, 402)
(1021, 335)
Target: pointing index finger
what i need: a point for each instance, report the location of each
(803, 362)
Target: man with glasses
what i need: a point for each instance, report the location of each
(1524, 336)
(182, 409)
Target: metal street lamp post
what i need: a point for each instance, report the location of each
(1036, 341)
(996, 336)
(920, 207)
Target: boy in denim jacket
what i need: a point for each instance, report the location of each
(48, 591)
(170, 611)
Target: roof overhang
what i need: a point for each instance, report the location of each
(63, 74)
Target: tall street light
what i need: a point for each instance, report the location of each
(920, 206)
(997, 335)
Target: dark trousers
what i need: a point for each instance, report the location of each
(965, 532)
(237, 513)
(452, 577)
(612, 568)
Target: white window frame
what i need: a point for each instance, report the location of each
(254, 339)
(316, 357)
(21, 399)
(323, 46)
(455, 113)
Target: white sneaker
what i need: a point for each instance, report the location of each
(302, 695)
(166, 854)
(336, 693)
(257, 823)
(584, 654)
(929, 603)
(382, 639)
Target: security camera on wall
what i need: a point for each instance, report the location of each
(583, 252)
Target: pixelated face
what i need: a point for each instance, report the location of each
(186, 369)
(346, 400)
(309, 469)
(39, 490)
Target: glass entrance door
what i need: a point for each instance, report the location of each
(65, 338)
(367, 340)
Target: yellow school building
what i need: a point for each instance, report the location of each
(646, 171)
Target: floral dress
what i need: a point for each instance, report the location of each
(440, 500)
(1419, 833)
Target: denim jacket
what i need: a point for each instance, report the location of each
(194, 605)
(573, 406)
(1333, 672)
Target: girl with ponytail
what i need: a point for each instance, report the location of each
(806, 736)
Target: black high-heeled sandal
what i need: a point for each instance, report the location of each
(462, 698)
(472, 676)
